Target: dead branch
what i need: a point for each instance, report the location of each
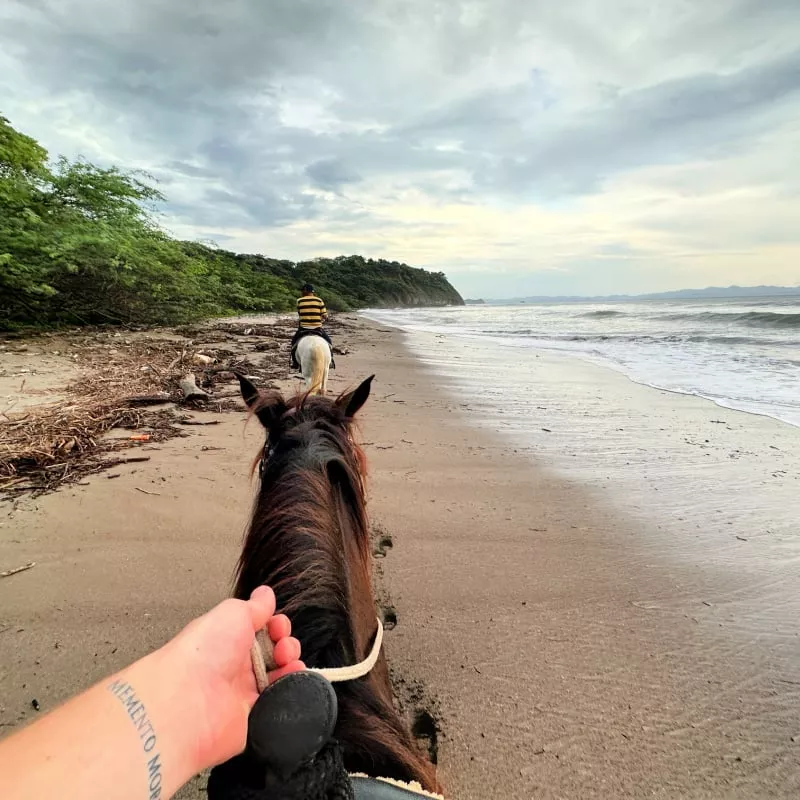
(14, 571)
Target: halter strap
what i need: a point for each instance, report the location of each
(263, 661)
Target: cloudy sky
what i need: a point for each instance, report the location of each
(523, 147)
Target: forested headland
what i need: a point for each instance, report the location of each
(81, 244)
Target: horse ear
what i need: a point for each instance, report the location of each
(268, 413)
(351, 402)
(249, 391)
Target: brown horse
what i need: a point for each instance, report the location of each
(309, 540)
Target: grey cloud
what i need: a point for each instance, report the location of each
(702, 116)
(517, 146)
(235, 208)
(190, 170)
(331, 173)
(206, 45)
(472, 90)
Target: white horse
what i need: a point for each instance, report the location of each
(314, 356)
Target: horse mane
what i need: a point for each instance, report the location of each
(309, 540)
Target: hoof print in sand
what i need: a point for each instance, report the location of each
(389, 617)
(383, 543)
(426, 732)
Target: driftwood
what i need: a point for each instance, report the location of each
(148, 399)
(10, 572)
(190, 389)
(232, 393)
(202, 360)
(174, 363)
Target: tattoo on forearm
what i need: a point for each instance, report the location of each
(126, 694)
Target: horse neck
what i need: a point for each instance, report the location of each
(302, 542)
(309, 540)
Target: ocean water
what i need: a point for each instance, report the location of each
(743, 354)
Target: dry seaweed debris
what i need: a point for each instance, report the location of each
(49, 445)
(62, 443)
(125, 382)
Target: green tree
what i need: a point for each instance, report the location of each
(80, 243)
(23, 180)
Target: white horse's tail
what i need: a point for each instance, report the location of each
(314, 356)
(319, 371)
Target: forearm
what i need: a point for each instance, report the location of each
(129, 743)
(143, 732)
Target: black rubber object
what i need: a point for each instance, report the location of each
(291, 722)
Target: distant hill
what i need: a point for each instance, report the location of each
(709, 293)
(344, 282)
(723, 292)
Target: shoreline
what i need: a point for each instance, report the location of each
(558, 645)
(644, 373)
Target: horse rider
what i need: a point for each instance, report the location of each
(312, 313)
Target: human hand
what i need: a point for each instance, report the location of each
(213, 652)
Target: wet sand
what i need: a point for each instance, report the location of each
(562, 650)
(575, 643)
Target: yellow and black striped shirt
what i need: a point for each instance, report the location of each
(311, 310)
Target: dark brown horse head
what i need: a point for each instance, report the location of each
(309, 541)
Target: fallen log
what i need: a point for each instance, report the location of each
(147, 400)
(190, 389)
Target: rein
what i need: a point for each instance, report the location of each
(261, 654)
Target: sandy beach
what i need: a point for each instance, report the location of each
(568, 628)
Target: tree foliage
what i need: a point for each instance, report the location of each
(79, 243)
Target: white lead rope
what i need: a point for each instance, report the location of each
(261, 654)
